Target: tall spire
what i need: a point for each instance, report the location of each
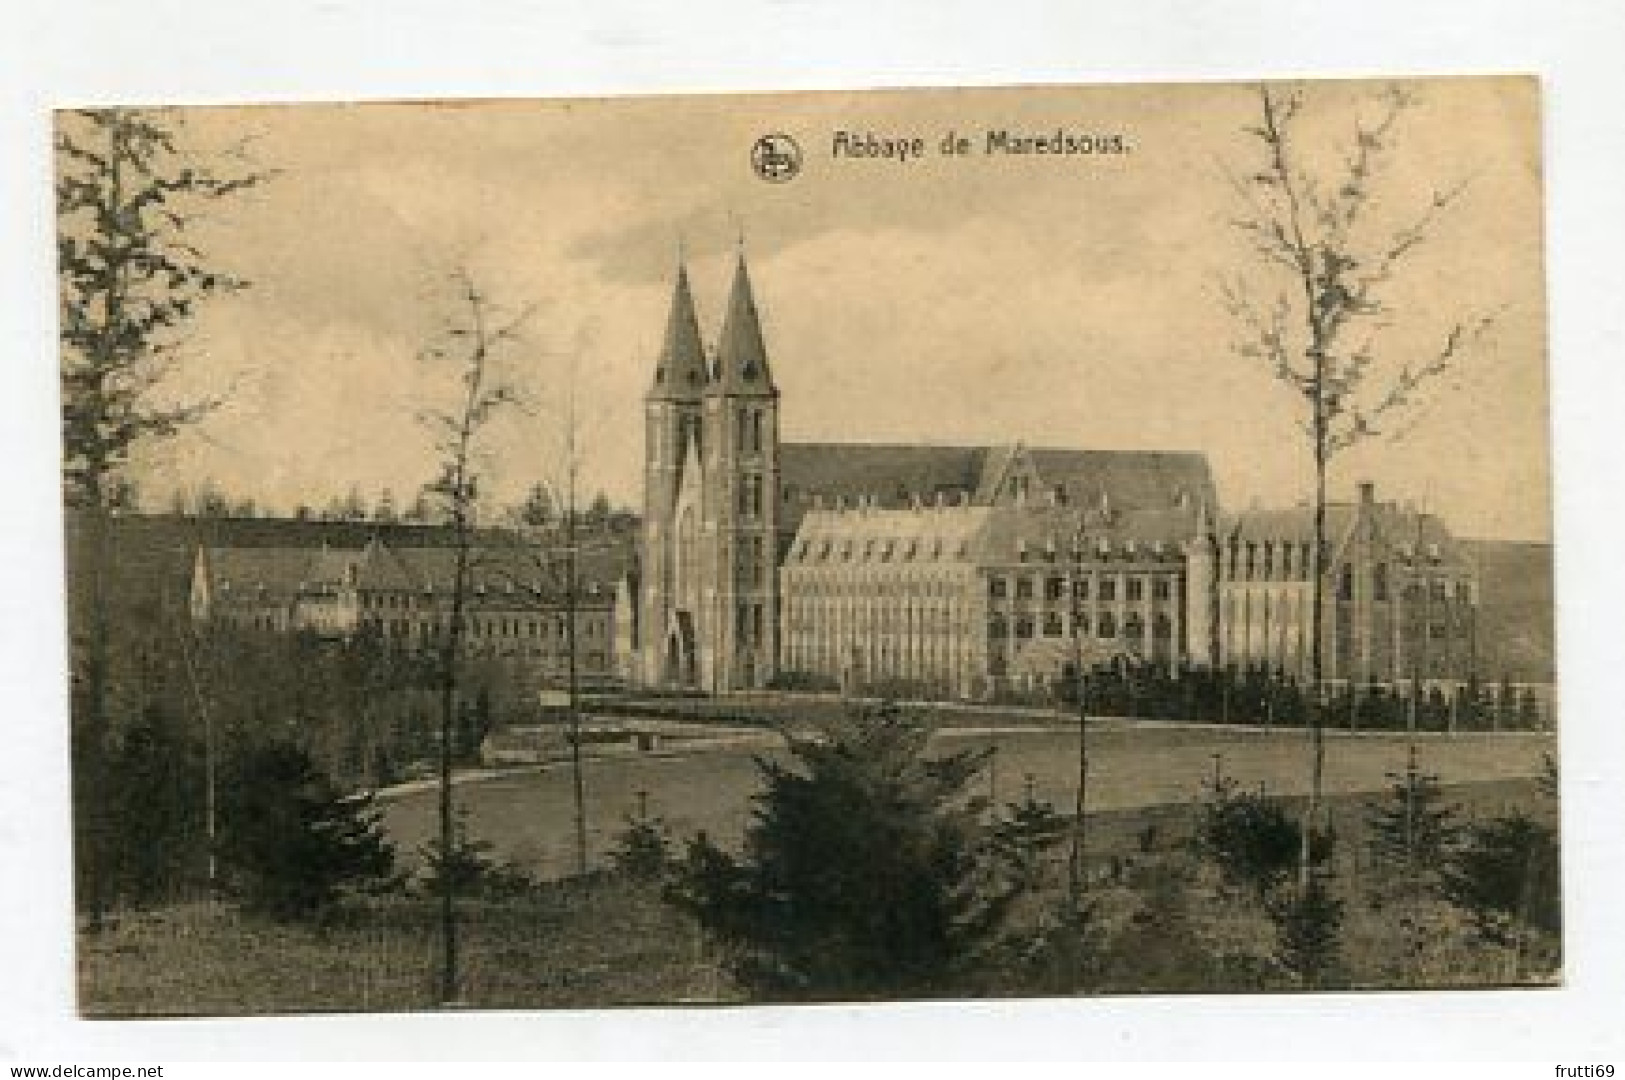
(680, 373)
(741, 352)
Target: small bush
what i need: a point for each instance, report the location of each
(1254, 840)
(868, 871)
(1506, 877)
(291, 844)
(1308, 925)
(643, 848)
(472, 871)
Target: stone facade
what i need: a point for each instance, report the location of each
(960, 570)
(709, 617)
(514, 617)
(1401, 597)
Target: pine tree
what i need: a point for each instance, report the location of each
(158, 778)
(643, 848)
(291, 844)
(1413, 831)
(131, 278)
(1253, 839)
(1308, 924)
(867, 872)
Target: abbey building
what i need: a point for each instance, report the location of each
(961, 570)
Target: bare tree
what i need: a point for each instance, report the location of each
(1314, 308)
(470, 341)
(549, 547)
(131, 278)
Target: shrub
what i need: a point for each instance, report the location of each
(155, 787)
(1414, 831)
(867, 871)
(1255, 842)
(290, 843)
(1308, 926)
(1506, 877)
(643, 848)
(469, 866)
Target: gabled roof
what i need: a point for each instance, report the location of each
(1130, 479)
(741, 362)
(945, 534)
(890, 475)
(1133, 481)
(266, 574)
(1398, 527)
(680, 372)
(1038, 530)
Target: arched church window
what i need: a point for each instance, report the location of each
(687, 550)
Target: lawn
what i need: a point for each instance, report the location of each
(548, 950)
(528, 815)
(1166, 924)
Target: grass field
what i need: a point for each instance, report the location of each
(527, 815)
(1168, 926)
(545, 951)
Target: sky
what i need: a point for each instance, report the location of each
(1052, 300)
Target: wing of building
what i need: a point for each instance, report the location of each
(958, 570)
(516, 603)
(953, 567)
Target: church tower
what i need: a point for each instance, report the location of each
(741, 456)
(671, 630)
(1201, 592)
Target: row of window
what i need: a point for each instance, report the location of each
(876, 549)
(842, 586)
(998, 588)
(1439, 589)
(1098, 549)
(481, 626)
(906, 619)
(1104, 626)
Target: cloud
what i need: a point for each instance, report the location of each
(1064, 301)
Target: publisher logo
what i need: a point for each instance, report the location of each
(776, 158)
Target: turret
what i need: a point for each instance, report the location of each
(741, 360)
(742, 463)
(1201, 591)
(673, 430)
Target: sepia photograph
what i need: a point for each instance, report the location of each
(1034, 541)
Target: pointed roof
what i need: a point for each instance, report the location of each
(680, 373)
(741, 366)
